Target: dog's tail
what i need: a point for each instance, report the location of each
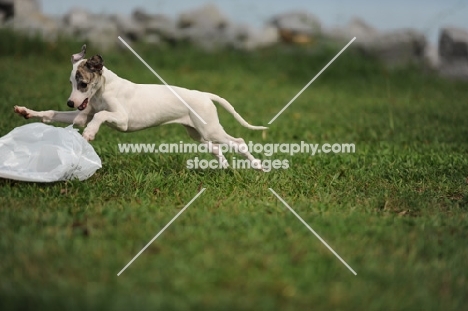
(231, 110)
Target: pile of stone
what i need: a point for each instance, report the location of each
(395, 48)
(210, 29)
(205, 26)
(453, 53)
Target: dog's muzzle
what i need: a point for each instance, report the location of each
(83, 105)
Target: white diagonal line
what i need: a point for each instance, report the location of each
(162, 80)
(308, 84)
(160, 232)
(312, 230)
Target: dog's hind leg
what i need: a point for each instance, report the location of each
(241, 147)
(215, 148)
(238, 144)
(214, 132)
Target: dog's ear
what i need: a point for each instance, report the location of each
(95, 64)
(79, 56)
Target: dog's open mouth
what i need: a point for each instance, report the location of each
(83, 105)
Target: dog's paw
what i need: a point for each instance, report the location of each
(23, 111)
(223, 164)
(88, 135)
(257, 164)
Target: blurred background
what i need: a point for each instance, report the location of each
(396, 32)
(425, 15)
(396, 210)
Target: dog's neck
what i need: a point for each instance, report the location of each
(100, 85)
(108, 76)
(105, 81)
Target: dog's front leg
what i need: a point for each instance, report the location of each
(45, 116)
(116, 119)
(77, 117)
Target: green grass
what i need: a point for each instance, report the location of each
(396, 210)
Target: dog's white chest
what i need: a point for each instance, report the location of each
(99, 104)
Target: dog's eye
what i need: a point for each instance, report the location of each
(83, 84)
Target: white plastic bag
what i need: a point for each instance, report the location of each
(43, 153)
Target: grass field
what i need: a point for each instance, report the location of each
(396, 210)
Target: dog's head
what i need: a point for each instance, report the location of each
(85, 78)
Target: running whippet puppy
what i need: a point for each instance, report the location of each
(100, 96)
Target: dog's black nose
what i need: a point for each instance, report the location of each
(70, 104)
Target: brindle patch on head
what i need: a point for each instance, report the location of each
(89, 71)
(84, 76)
(95, 64)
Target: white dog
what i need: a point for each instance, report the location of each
(103, 97)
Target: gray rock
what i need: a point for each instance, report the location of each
(156, 26)
(297, 27)
(396, 48)
(103, 34)
(99, 30)
(267, 36)
(204, 36)
(24, 8)
(164, 27)
(453, 52)
(25, 16)
(140, 16)
(355, 28)
(206, 27)
(206, 16)
(241, 37)
(78, 21)
(431, 57)
(453, 45)
(360, 29)
(36, 24)
(235, 36)
(6, 10)
(128, 27)
(2, 17)
(152, 38)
